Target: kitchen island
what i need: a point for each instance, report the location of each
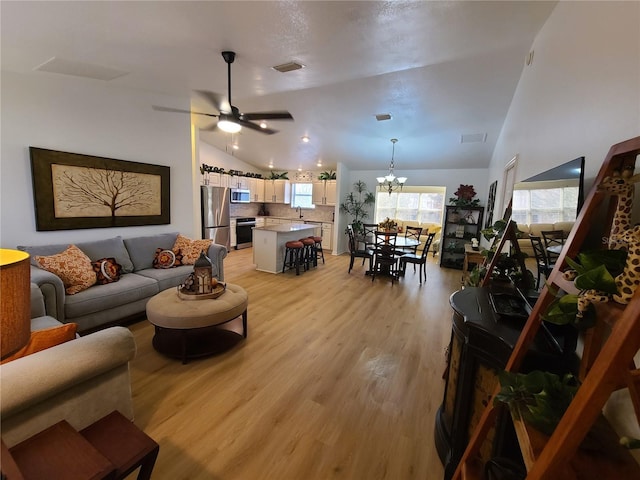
(269, 241)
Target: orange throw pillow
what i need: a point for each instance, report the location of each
(72, 266)
(43, 339)
(190, 249)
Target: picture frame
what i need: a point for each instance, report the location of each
(76, 191)
(491, 203)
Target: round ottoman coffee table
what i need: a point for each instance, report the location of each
(191, 328)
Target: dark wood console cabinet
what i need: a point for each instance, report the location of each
(481, 343)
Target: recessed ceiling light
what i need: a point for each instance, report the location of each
(288, 67)
(319, 164)
(235, 146)
(299, 169)
(305, 139)
(381, 117)
(271, 165)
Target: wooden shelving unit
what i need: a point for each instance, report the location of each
(607, 365)
(461, 224)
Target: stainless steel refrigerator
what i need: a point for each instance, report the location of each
(215, 203)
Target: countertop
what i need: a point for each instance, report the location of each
(295, 219)
(286, 227)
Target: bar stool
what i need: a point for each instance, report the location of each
(318, 249)
(292, 255)
(309, 253)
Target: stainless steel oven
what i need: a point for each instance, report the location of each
(244, 232)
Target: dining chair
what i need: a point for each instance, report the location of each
(369, 234)
(542, 260)
(418, 259)
(553, 238)
(412, 233)
(385, 259)
(355, 252)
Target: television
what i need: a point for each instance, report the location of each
(555, 195)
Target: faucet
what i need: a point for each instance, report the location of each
(299, 210)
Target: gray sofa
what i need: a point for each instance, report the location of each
(103, 305)
(79, 381)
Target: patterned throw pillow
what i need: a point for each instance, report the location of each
(107, 270)
(167, 258)
(72, 266)
(190, 248)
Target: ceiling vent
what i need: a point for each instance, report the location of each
(473, 138)
(381, 117)
(288, 67)
(79, 69)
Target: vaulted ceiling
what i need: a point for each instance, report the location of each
(442, 70)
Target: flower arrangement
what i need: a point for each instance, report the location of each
(464, 197)
(388, 224)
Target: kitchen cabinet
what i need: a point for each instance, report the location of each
(277, 191)
(324, 192)
(327, 236)
(238, 182)
(232, 233)
(260, 221)
(256, 187)
(461, 224)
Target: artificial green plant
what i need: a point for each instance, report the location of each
(357, 204)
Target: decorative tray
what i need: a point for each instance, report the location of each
(189, 295)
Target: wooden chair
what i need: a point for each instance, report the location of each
(355, 252)
(369, 235)
(418, 259)
(553, 238)
(413, 233)
(542, 261)
(385, 260)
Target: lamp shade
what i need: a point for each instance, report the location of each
(15, 301)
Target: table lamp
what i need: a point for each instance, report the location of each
(15, 301)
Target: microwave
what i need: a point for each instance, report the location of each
(240, 196)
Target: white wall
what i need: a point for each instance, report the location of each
(213, 157)
(580, 95)
(90, 117)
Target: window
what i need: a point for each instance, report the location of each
(422, 205)
(548, 205)
(301, 195)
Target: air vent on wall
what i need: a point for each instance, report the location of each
(288, 67)
(383, 116)
(79, 69)
(473, 138)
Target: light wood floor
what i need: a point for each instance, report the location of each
(339, 378)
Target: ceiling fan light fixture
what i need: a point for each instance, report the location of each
(263, 124)
(229, 126)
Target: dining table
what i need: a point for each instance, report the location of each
(401, 244)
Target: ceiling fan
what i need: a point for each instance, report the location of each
(230, 119)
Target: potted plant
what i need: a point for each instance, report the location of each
(278, 176)
(329, 175)
(464, 197)
(388, 225)
(357, 204)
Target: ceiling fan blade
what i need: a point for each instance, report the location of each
(280, 115)
(215, 99)
(178, 110)
(253, 126)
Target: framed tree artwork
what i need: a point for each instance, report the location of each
(73, 191)
(491, 203)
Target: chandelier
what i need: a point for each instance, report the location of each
(391, 182)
